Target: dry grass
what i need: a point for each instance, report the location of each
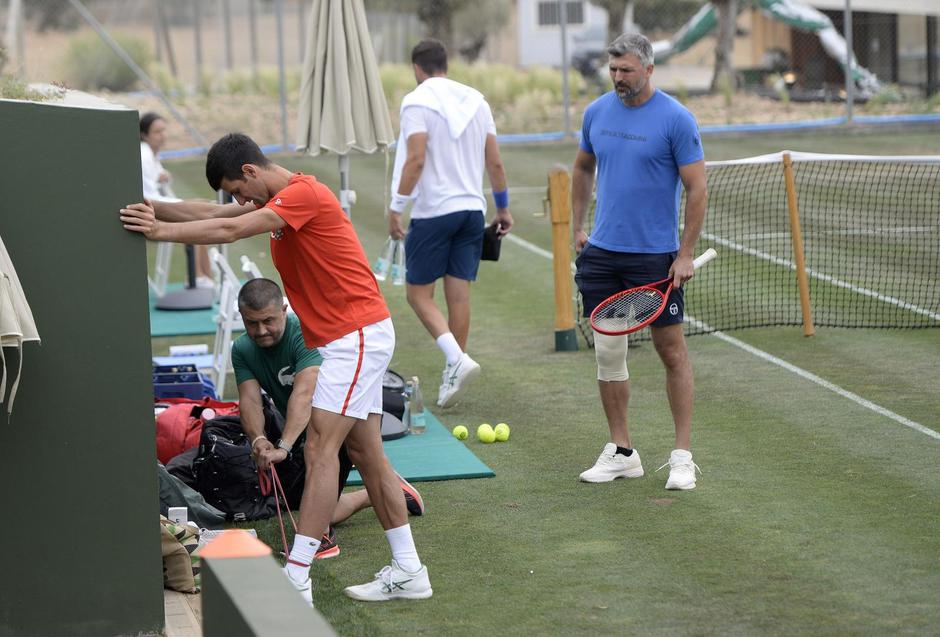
(259, 116)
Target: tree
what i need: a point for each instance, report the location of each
(438, 17)
(475, 23)
(461, 25)
(646, 15)
(616, 12)
(723, 77)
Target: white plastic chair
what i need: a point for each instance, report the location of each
(227, 320)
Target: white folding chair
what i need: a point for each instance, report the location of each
(161, 268)
(227, 320)
(250, 268)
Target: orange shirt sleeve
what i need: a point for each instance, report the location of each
(296, 204)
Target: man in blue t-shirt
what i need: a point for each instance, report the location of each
(644, 146)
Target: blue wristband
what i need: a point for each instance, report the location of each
(501, 199)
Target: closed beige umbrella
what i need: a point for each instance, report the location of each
(342, 104)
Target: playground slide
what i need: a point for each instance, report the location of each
(791, 12)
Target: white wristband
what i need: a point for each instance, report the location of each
(262, 437)
(399, 202)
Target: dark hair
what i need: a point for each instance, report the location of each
(259, 294)
(431, 56)
(228, 155)
(146, 121)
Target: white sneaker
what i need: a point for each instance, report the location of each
(455, 380)
(681, 470)
(205, 282)
(305, 588)
(393, 582)
(610, 465)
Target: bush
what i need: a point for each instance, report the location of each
(13, 88)
(91, 64)
(165, 81)
(889, 94)
(933, 103)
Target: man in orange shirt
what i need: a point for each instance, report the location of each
(342, 313)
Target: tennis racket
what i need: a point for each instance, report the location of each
(631, 310)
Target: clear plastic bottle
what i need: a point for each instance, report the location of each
(398, 264)
(408, 393)
(418, 424)
(382, 265)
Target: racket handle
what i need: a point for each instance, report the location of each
(704, 258)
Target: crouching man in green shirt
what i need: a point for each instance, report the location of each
(272, 356)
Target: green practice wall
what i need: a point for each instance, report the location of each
(79, 534)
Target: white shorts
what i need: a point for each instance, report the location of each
(350, 378)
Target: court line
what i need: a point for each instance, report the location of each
(760, 254)
(770, 358)
(822, 382)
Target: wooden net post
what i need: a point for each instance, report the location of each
(798, 254)
(559, 196)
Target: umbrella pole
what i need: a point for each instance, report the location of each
(345, 200)
(282, 82)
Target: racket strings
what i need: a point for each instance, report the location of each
(629, 309)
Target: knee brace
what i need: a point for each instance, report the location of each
(611, 354)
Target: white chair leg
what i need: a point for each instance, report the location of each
(161, 268)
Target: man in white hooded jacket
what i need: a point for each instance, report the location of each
(447, 138)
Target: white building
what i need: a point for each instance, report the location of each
(539, 30)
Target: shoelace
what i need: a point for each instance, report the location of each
(385, 575)
(695, 467)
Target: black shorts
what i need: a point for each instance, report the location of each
(602, 273)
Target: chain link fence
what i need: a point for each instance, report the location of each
(227, 51)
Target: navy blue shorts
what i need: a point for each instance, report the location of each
(602, 273)
(450, 244)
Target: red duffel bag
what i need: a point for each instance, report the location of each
(180, 424)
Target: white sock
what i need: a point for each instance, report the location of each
(403, 548)
(301, 556)
(449, 346)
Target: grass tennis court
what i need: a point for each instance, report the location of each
(814, 514)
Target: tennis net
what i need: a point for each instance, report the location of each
(871, 236)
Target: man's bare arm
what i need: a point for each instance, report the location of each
(497, 175)
(416, 149)
(252, 419)
(249, 408)
(194, 210)
(417, 145)
(298, 405)
(696, 202)
(140, 218)
(582, 185)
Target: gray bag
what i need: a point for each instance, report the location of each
(173, 493)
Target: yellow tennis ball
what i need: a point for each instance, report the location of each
(502, 432)
(460, 432)
(485, 433)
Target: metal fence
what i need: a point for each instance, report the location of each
(191, 47)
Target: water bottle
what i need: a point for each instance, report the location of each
(398, 265)
(417, 416)
(407, 393)
(384, 262)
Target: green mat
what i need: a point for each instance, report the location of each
(434, 455)
(180, 322)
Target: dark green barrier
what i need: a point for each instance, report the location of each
(245, 594)
(80, 536)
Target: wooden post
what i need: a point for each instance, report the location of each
(559, 196)
(798, 254)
